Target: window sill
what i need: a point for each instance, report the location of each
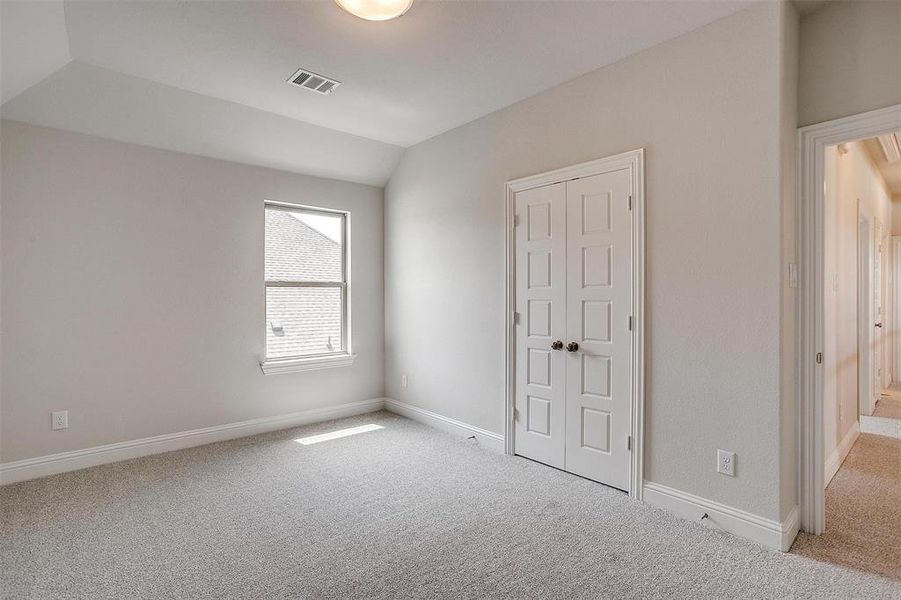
(312, 363)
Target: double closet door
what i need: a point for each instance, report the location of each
(573, 331)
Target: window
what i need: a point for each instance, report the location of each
(306, 288)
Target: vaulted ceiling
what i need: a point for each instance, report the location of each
(210, 77)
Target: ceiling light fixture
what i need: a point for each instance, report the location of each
(376, 10)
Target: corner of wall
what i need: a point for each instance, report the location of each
(788, 417)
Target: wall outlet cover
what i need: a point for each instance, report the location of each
(725, 462)
(59, 419)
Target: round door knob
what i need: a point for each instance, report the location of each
(557, 345)
(572, 347)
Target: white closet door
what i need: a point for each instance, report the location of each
(540, 298)
(598, 306)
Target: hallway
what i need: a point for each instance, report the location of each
(863, 511)
(889, 404)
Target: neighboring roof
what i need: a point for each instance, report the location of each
(301, 320)
(295, 251)
(310, 319)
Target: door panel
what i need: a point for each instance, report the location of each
(878, 312)
(598, 305)
(540, 298)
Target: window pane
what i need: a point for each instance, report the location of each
(303, 246)
(302, 321)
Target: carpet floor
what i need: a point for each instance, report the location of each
(889, 405)
(863, 511)
(398, 512)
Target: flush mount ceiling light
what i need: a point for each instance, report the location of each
(376, 10)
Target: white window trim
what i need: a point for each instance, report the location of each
(306, 363)
(296, 364)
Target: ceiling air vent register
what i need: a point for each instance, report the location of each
(314, 82)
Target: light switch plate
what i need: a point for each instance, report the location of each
(792, 275)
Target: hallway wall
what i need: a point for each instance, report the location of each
(853, 187)
(896, 215)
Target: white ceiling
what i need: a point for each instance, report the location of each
(890, 171)
(441, 65)
(34, 44)
(96, 101)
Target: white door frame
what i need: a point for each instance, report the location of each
(866, 367)
(878, 313)
(635, 161)
(896, 309)
(812, 143)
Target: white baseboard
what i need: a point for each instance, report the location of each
(881, 426)
(840, 453)
(772, 534)
(41, 466)
(487, 439)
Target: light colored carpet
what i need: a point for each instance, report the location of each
(401, 512)
(889, 406)
(863, 511)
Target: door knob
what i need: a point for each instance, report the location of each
(572, 347)
(556, 345)
(879, 325)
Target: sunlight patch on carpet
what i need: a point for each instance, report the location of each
(334, 435)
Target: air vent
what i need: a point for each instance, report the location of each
(313, 82)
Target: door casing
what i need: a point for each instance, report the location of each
(866, 367)
(895, 304)
(634, 161)
(812, 143)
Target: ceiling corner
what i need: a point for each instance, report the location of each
(34, 44)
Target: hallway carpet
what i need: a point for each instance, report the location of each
(863, 511)
(398, 512)
(889, 405)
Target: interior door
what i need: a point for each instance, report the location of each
(540, 297)
(877, 310)
(598, 336)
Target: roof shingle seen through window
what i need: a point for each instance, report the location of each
(301, 321)
(297, 252)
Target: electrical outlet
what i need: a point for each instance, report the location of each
(403, 381)
(59, 420)
(725, 462)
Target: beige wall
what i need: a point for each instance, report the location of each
(714, 110)
(788, 432)
(133, 292)
(896, 215)
(850, 59)
(853, 188)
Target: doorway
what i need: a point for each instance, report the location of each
(575, 284)
(814, 143)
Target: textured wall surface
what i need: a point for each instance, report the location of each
(715, 170)
(133, 292)
(850, 59)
